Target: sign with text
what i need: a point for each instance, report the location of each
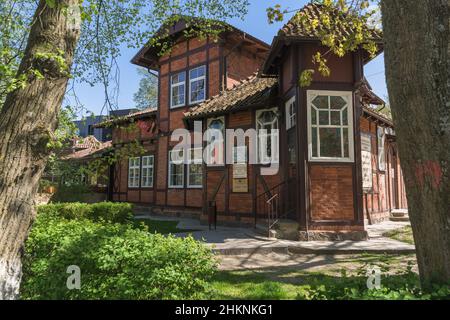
(366, 159)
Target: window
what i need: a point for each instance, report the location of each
(134, 165)
(381, 150)
(291, 120)
(178, 90)
(176, 169)
(147, 171)
(195, 173)
(267, 140)
(215, 139)
(330, 126)
(197, 85)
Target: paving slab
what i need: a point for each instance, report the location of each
(236, 241)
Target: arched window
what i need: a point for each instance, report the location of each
(267, 129)
(216, 139)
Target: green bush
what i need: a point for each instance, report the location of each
(107, 211)
(401, 286)
(117, 261)
(71, 193)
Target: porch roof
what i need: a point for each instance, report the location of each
(253, 91)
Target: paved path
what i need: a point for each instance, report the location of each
(237, 241)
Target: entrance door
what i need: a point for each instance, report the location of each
(291, 135)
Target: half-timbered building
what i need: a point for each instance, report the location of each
(338, 165)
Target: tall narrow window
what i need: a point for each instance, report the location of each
(178, 90)
(290, 114)
(195, 170)
(176, 169)
(267, 129)
(147, 171)
(216, 141)
(197, 85)
(330, 126)
(381, 150)
(134, 165)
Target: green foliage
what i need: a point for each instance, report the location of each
(117, 261)
(71, 193)
(103, 211)
(147, 94)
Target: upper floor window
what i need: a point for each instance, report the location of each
(330, 126)
(134, 166)
(147, 171)
(178, 90)
(290, 114)
(267, 129)
(381, 150)
(197, 85)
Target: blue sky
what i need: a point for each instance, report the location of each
(255, 24)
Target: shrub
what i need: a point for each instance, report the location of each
(107, 211)
(71, 193)
(116, 262)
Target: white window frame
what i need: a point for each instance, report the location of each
(191, 80)
(208, 139)
(178, 84)
(134, 167)
(291, 118)
(275, 148)
(348, 96)
(381, 139)
(196, 161)
(173, 186)
(150, 168)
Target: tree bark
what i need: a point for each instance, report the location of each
(417, 70)
(27, 120)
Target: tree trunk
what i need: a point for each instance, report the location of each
(417, 70)
(27, 119)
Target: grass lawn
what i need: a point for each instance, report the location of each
(403, 234)
(163, 227)
(320, 282)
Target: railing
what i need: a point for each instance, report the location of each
(272, 208)
(276, 203)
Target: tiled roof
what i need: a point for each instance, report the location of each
(86, 143)
(86, 154)
(129, 117)
(249, 92)
(301, 24)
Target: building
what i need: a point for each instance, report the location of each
(338, 166)
(87, 127)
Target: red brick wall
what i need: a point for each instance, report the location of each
(331, 192)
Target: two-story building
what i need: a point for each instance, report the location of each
(338, 166)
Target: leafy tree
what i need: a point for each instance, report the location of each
(416, 35)
(147, 94)
(67, 39)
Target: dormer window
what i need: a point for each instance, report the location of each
(178, 90)
(197, 85)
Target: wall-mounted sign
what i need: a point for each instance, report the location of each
(240, 171)
(366, 159)
(240, 185)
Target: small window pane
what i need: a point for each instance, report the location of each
(344, 117)
(314, 142)
(321, 102)
(337, 102)
(324, 118)
(180, 77)
(335, 117)
(198, 90)
(346, 147)
(313, 116)
(330, 142)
